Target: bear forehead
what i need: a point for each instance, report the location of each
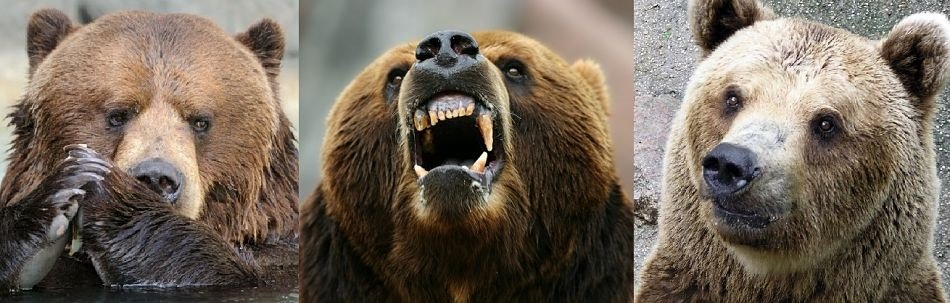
(793, 59)
(798, 46)
(181, 56)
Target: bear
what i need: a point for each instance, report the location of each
(159, 143)
(498, 185)
(800, 166)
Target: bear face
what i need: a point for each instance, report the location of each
(774, 135)
(801, 158)
(207, 139)
(468, 170)
(440, 160)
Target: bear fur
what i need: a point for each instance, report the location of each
(133, 87)
(842, 201)
(557, 226)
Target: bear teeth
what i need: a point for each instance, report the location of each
(484, 125)
(479, 165)
(422, 121)
(441, 111)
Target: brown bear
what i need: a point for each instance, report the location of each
(498, 185)
(800, 166)
(187, 172)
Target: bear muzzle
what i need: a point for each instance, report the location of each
(729, 171)
(453, 102)
(161, 177)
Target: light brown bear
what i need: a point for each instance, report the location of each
(800, 167)
(469, 168)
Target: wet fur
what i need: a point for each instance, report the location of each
(246, 231)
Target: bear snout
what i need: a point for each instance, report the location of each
(447, 49)
(728, 169)
(161, 177)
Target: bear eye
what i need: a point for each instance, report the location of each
(200, 124)
(514, 70)
(514, 73)
(393, 82)
(118, 117)
(825, 126)
(395, 77)
(732, 102)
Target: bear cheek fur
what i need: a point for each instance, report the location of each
(160, 133)
(361, 148)
(865, 145)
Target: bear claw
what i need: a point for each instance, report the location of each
(81, 168)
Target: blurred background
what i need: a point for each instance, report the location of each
(341, 37)
(665, 59)
(232, 16)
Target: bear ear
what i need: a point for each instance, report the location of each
(46, 29)
(594, 76)
(918, 51)
(714, 21)
(266, 40)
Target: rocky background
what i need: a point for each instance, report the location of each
(666, 56)
(232, 16)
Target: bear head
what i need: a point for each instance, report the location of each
(174, 102)
(796, 133)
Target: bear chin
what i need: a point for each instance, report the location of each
(762, 263)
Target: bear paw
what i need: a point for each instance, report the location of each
(82, 170)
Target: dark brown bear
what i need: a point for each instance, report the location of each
(195, 180)
(498, 185)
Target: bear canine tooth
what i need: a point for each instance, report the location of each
(421, 172)
(479, 165)
(484, 124)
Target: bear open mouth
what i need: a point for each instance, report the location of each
(453, 130)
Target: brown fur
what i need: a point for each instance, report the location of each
(862, 203)
(165, 70)
(543, 238)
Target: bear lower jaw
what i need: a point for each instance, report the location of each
(748, 228)
(452, 193)
(741, 219)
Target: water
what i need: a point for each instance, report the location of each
(140, 294)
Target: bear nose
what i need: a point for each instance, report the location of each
(447, 48)
(161, 177)
(729, 168)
